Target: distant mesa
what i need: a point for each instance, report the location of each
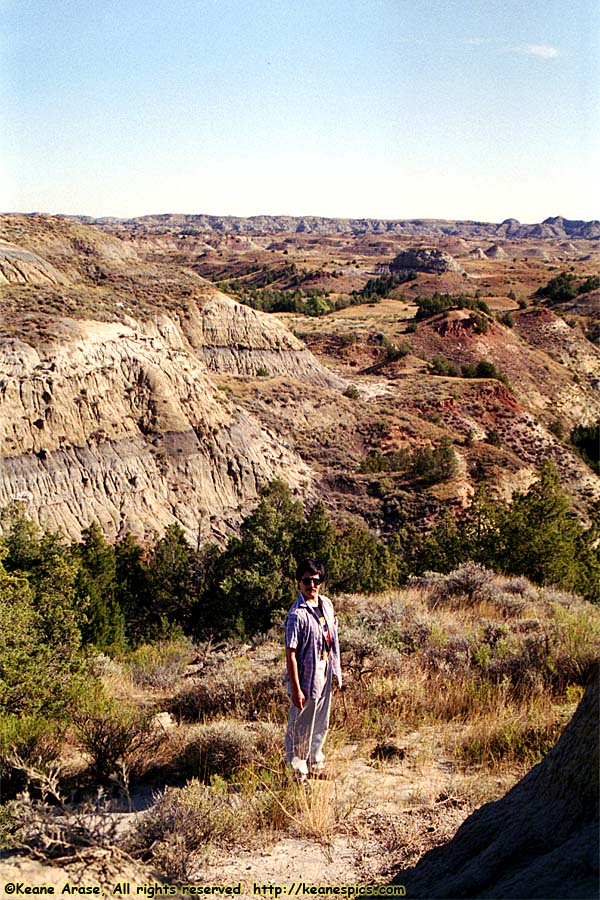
(425, 259)
(418, 228)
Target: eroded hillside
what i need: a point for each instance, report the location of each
(136, 389)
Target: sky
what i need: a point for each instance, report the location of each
(385, 109)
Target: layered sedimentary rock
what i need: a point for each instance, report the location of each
(425, 259)
(123, 423)
(20, 266)
(230, 337)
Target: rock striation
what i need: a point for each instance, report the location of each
(425, 259)
(124, 422)
(230, 337)
(496, 252)
(20, 266)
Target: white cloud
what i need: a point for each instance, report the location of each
(542, 51)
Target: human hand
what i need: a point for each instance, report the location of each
(298, 698)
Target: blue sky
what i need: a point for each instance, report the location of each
(385, 108)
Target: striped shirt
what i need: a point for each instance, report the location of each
(304, 633)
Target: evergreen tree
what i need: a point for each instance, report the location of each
(542, 539)
(95, 589)
(46, 561)
(363, 563)
(39, 670)
(132, 589)
(317, 539)
(252, 582)
(439, 550)
(172, 577)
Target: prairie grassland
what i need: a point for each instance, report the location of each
(454, 687)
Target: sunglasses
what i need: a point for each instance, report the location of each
(308, 581)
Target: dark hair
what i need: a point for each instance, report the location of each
(310, 566)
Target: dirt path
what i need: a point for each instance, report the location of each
(358, 828)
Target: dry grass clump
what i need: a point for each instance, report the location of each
(186, 820)
(515, 738)
(460, 652)
(472, 584)
(185, 824)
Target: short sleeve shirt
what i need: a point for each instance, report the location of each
(304, 634)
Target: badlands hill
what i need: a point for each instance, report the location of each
(136, 390)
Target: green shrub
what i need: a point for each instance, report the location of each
(586, 440)
(441, 366)
(392, 461)
(27, 741)
(434, 464)
(233, 689)
(111, 734)
(383, 285)
(363, 653)
(512, 741)
(8, 826)
(559, 289)
(591, 283)
(160, 665)
(352, 392)
(393, 352)
(479, 322)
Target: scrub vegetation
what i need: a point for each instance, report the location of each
(166, 669)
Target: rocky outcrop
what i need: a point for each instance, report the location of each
(57, 250)
(20, 266)
(541, 840)
(122, 422)
(230, 337)
(496, 252)
(425, 259)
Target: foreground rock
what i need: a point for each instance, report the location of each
(540, 841)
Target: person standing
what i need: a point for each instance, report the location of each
(312, 660)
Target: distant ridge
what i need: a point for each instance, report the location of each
(554, 227)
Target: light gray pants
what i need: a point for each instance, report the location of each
(306, 732)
